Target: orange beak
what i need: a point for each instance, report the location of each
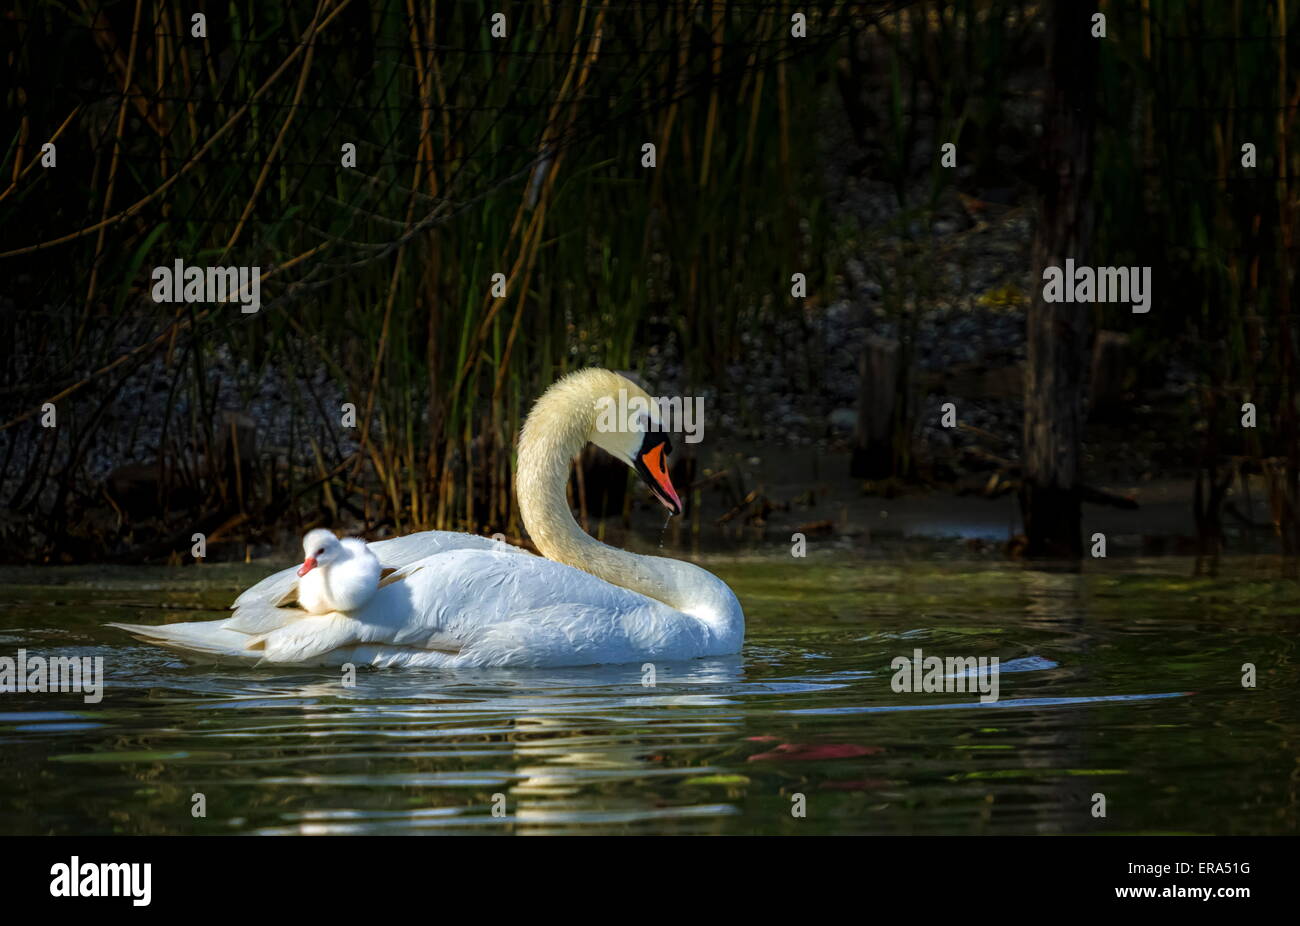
(307, 565)
(654, 471)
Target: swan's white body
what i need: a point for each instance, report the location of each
(448, 599)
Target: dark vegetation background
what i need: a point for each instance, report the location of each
(522, 156)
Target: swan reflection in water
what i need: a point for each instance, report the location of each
(549, 736)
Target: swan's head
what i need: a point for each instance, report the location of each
(612, 412)
(320, 548)
(629, 428)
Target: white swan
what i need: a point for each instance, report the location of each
(439, 598)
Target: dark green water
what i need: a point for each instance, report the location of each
(1123, 680)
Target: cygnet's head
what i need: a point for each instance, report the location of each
(320, 548)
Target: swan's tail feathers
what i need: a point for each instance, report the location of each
(199, 641)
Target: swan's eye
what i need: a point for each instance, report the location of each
(320, 551)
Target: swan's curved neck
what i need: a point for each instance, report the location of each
(556, 431)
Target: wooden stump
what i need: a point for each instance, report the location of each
(873, 446)
(1111, 373)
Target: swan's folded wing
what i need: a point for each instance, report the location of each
(402, 551)
(262, 608)
(441, 603)
(482, 608)
(261, 617)
(307, 639)
(276, 589)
